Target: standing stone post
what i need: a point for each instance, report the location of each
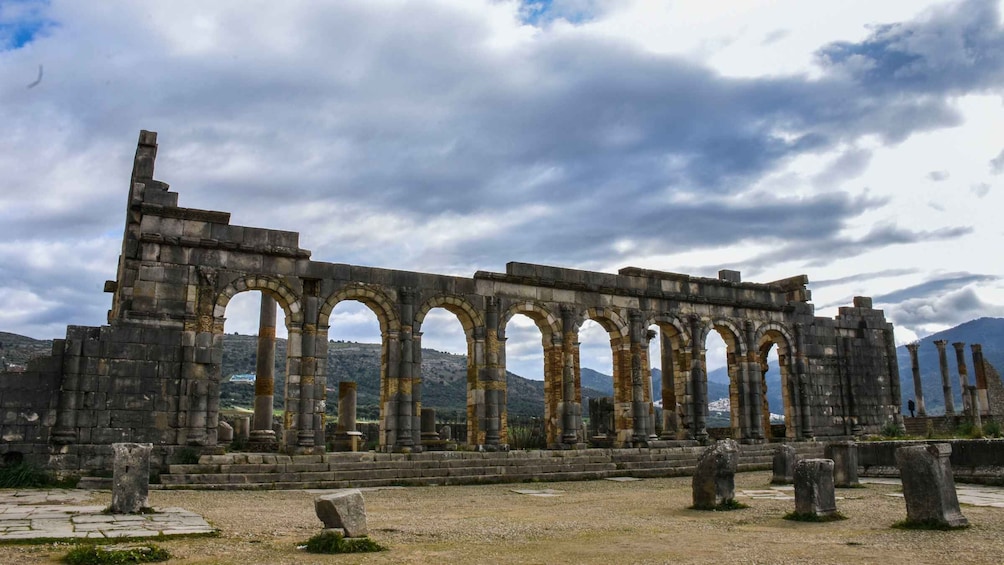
(403, 395)
(980, 376)
(918, 390)
(814, 493)
(344, 510)
(802, 379)
(264, 381)
(699, 382)
(243, 429)
(130, 477)
(960, 359)
(569, 424)
(784, 465)
(347, 438)
(946, 383)
(429, 433)
(714, 479)
(639, 411)
(670, 415)
(845, 463)
(928, 485)
(974, 400)
(493, 371)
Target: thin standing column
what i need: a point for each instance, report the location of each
(569, 428)
(946, 383)
(918, 391)
(638, 411)
(980, 376)
(670, 417)
(264, 382)
(960, 359)
(699, 380)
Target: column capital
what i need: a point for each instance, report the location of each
(912, 347)
(959, 346)
(940, 343)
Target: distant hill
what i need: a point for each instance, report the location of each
(989, 332)
(18, 349)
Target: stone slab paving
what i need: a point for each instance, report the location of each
(65, 514)
(972, 494)
(530, 492)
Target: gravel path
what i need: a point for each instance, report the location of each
(602, 522)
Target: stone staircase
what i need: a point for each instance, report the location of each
(343, 470)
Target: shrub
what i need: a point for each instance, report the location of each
(96, 555)
(334, 542)
(24, 475)
(527, 435)
(890, 429)
(992, 428)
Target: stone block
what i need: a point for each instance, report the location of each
(928, 485)
(845, 463)
(714, 477)
(783, 465)
(344, 509)
(224, 433)
(130, 477)
(814, 493)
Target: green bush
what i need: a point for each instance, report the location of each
(527, 435)
(890, 429)
(25, 475)
(992, 429)
(334, 542)
(970, 430)
(96, 555)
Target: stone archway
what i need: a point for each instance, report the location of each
(768, 335)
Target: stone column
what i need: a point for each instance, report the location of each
(755, 397)
(264, 381)
(974, 399)
(946, 383)
(960, 359)
(670, 417)
(429, 433)
(130, 477)
(405, 442)
(803, 383)
(895, 390)
(649, 399)
(416, 386)
(639, 413)
(494, 377)
(347, 438)
(917, 385)
(699, 381)
(569, 426)
(980, 375)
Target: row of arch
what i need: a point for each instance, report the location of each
(683, 393)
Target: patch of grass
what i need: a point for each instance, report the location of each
(992, 428)
(926, 525)
(334, 542)
(796, 517)
(724, 506)
(891, 430)
(97, 555)
(29, 475)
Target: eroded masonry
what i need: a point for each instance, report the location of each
(153, 373)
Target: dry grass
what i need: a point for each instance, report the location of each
(591, 522)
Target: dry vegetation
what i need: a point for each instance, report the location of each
(591, 522)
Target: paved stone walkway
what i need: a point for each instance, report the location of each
(66, 514)
(972, 494)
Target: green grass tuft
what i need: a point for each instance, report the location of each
(796, 517)
(334, 542)
(97, 555)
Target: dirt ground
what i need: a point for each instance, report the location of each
(601, 522)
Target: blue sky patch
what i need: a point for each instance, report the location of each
(21, 23)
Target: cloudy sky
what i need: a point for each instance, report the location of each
(859, 142)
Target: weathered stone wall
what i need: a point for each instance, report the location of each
(153, 373)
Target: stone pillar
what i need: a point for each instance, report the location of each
(980, 375)
(845, 462)
(755, 397)
(784, 465)
(429, 433)
(646, 365)
(670, 415)
(224, 432)
(347, 438)
(714, 478)
(895, 390)
(928, 485)
(803, 383)
(974, 399)
(243, 429)
(494, 380)
(639, 412)
(264, 381)
(416, 387)
(130, 477)
(946, 383)
(814, 493)
(699, 381)
(403, 396)
(569, 424)
(960, 359)
(918, 390)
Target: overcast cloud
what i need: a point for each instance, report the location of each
(452, 136)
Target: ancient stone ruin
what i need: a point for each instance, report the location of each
(153, 373)
(814, 489)
(928, 485)
(714, 481)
